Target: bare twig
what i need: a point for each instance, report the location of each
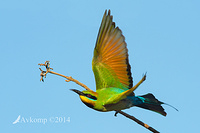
(138, 121)
(69, 78)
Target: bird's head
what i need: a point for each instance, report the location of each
(89, 98)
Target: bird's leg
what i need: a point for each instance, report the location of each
(116, 112)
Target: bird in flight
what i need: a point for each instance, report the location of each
(112, 71)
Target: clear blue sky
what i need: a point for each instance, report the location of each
(163, 39)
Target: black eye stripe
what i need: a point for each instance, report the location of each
(90, 96)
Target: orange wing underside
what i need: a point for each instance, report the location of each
(111, 50)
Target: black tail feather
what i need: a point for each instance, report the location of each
(151, 103)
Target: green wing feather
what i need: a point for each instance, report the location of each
(110, 62)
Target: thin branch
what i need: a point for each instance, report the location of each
(138, 121)
(69, 78)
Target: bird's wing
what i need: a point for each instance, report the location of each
(110, 63)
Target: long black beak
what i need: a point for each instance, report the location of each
(77, 91)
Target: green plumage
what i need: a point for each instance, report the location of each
(112, 71)
(110, 58)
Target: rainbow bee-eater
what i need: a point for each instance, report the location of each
(112, 71)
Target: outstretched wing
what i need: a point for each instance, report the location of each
(110, 62)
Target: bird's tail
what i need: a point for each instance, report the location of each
(151, 103)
